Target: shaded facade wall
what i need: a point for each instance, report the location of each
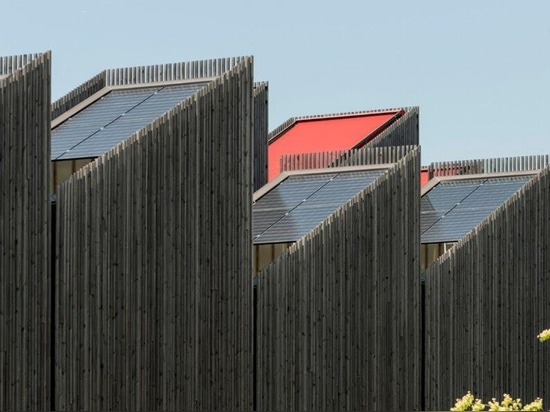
(339, 312)
(153, 286)
(24, 240)
(486, 300)
(261, 94)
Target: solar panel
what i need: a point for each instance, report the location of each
(301, 202)
(453, 208)
(114, 118)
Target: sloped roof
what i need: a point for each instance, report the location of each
(116, 103)
(114, 117)
(295, 203)
(451, 207)
(325, 133)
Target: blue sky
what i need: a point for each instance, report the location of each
(478, 69)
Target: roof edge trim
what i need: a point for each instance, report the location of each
(433, 182)
(275, 133)
(107, 89)
(284, 175)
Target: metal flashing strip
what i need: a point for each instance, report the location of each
(452, 207)
(285, 175)
(108, 89)
(281, 129)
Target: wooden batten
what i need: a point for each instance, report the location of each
(25, 281)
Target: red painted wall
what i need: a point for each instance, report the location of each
(327, 134)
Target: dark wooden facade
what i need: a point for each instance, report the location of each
(261, 131)
(24, 236)
(151, 305)
(486, 300)
(153, 284)
(403, 132)
(339, 312)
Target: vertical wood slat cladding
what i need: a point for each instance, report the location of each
(154, 263)
(486, 300)
(339, 312)
(171, 72)
(78, 94)
(260, 134)
(495, 165)
(403, 132)
(354, 157)
(24, 232)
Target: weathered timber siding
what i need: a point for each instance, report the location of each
(354, 157)
(307, 161)
(496, 165)
(78, 95)
(154, 263)
(339, 312)
(260, 134)
(372, 156)
(486, 300)
(194, 70)
(24, 240)
(403, 132)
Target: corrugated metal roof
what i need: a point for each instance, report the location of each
(115, 117)
(300, 202)
(453, 208)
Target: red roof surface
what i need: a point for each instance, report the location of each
(326, 134)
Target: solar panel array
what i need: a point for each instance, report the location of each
(115, 117)
(301, 202)
(454, 207)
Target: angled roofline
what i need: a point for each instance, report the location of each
(537, 176)
(143, 75)
(10, 65)
(433, 182)
(245, 64)
(493, 165)
(107, 89)
(279, 130)
(285, 175)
